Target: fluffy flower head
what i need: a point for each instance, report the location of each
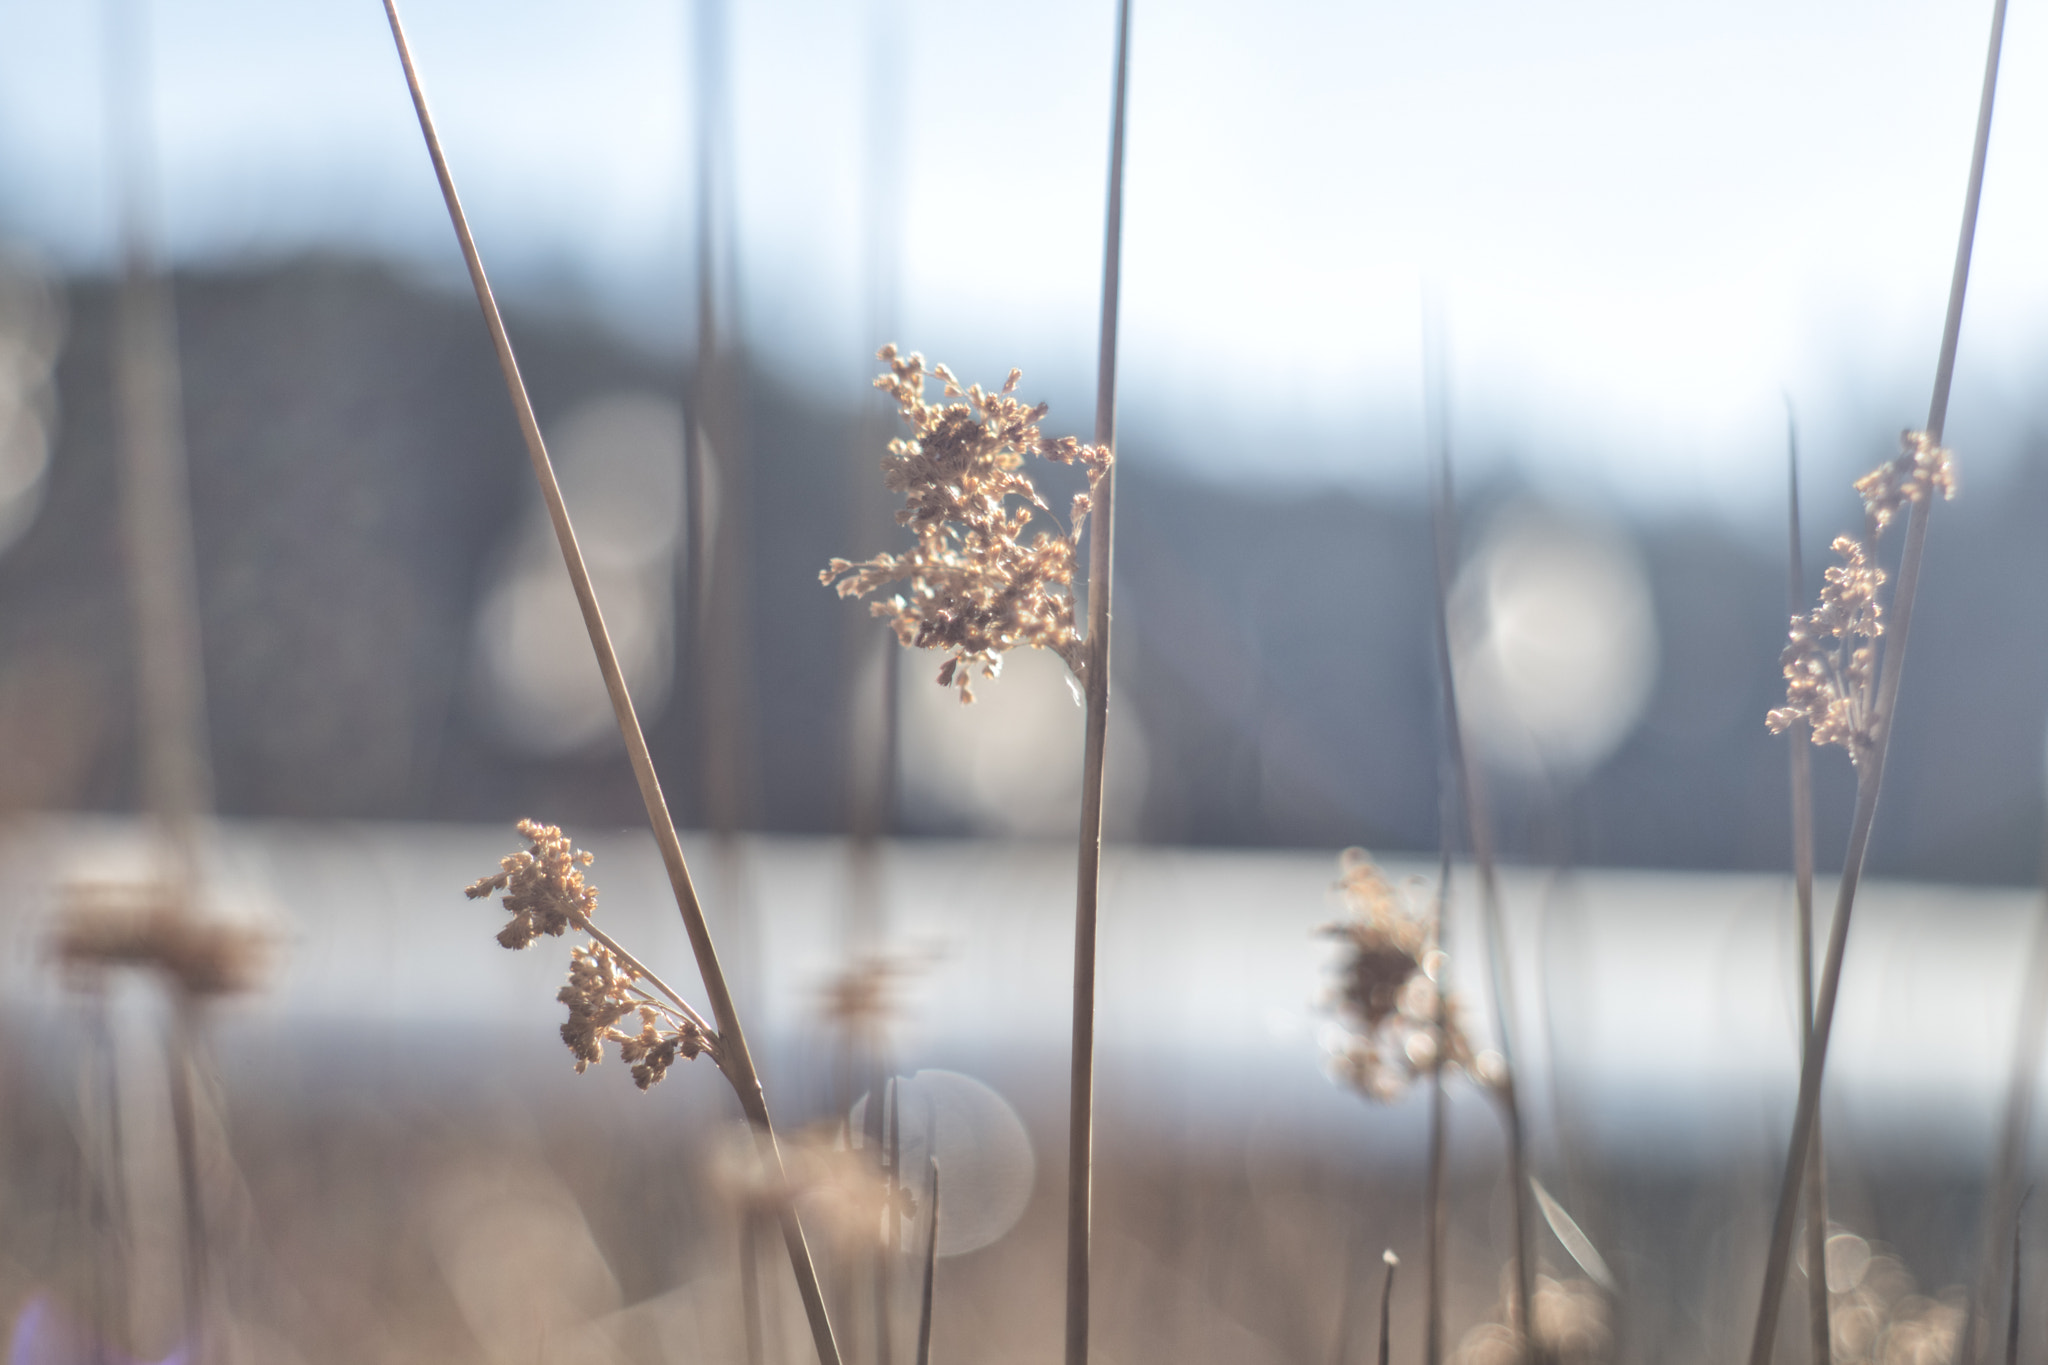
(978, 581)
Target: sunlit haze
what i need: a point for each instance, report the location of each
(1647, 227)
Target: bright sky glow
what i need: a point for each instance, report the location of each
(1646, 224)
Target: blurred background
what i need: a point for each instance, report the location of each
(1642, 244)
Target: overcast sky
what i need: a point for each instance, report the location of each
(1646, 223)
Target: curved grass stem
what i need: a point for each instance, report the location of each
(1101, 541)
(1870, 774)
(735, 1061)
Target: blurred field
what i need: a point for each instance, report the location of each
(403, 1167)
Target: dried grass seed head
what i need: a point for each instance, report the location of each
(543, 885)
(1830, 658)
(977, 581)
(1387, 992)
(546, 892)
(1920, 469)
(149, 925)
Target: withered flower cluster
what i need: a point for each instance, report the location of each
(120, 924)
(1386, 987)
(1831, 660)
(546, 893)
(543, 885)
(975, 586)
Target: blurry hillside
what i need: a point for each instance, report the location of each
(360, 488)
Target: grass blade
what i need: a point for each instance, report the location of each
(1436, 1195)
(1870, 778)
(1572, 1238)
(2015, 1130)
(931, 1269)
(1101, 533)
(1819, 1326)
(2012, 1316)
(1386, 1308)
(1479, 831)
(735, 1061)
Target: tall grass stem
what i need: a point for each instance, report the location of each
(1387, 1311)
(1479, 832)
(1870, 775)
(931, 1268)
(1101, 542)
(2012, 1316)
(2002, 1196)
(734, 1059)
(1436, 1194)
(1819, 1326)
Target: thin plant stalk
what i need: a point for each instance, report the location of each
(1870, 774)
(178, 1061)
(1479, 831)
(2003, 1198)
(1101, 534)
(750, 1290)
(713, 442)
(2012, 1317)
(931, 1268)
(1436, 1228)
(1819, 1325)
(1387, 1310)
(163, 587)
(891, 1113)
(734, 1059)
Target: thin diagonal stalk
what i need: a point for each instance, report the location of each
(1819, 1326)
(734, 1061)
(1479, 831)
(612, 945)
(2002, 1198)
(1101, 539)
(1870, 775)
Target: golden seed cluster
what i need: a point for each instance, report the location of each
(977, 582)
(546, 892)
(1830, 661)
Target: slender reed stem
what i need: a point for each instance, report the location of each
(735, 1061)
(1819, 1326)
(1870, 775)
(931, 1270)
(750, 1289)
(892, 1240)
(1436, 1228)
(1386, 1310)
(1479, 831)
(196, 1261)
(2012, 1316)
(1101, 539)
(2002, 1198)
